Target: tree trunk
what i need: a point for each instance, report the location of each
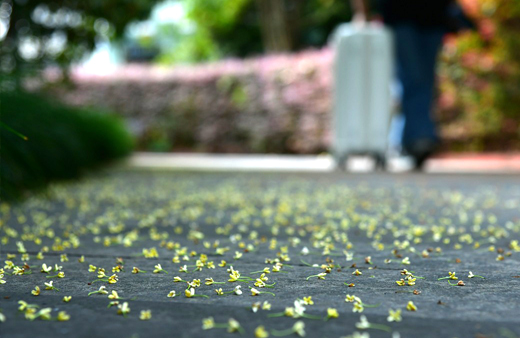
(279, 24)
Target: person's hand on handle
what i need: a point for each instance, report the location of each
(361, 12)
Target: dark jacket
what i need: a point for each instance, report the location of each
(427, 13)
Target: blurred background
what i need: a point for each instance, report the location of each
(86, 82)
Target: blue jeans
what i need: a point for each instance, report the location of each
(416, 54)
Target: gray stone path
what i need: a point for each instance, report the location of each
(441, 223)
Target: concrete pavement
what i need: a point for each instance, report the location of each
(443, 163)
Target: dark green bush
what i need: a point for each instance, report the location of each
(63, 142)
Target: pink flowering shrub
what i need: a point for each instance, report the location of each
(278, 103)
(480, 80)
(282, 103)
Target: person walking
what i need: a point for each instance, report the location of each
(418, 27)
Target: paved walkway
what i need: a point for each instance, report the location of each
(444, 163)
(358, 230)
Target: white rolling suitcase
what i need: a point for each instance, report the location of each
(363, 69)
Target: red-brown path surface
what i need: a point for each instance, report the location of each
(487, 162)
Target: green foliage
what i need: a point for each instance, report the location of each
(194, 48)
(320, 18)
(221, 29)
(71, 25)
(232, 28)
(216, 14)
(61, 143)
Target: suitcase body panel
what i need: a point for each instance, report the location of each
(363, 69)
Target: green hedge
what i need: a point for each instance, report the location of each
(62, 142)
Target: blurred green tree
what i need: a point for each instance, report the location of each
(240, 28)
(218, 29)
(39, 33)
